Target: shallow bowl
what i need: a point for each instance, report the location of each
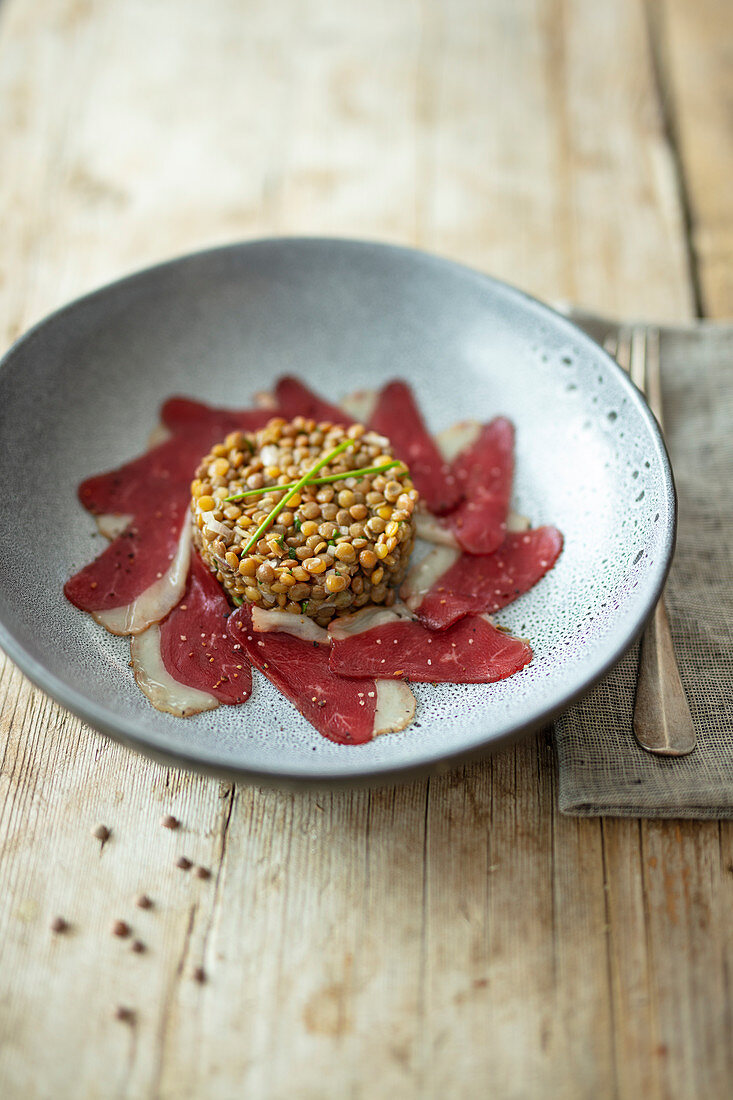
(79, 393)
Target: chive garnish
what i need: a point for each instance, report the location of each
(269, 519)
(314, 481)
(292, 554)
(304, 606)
(296, 523)
(237, 600)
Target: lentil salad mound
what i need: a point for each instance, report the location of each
(334, 547)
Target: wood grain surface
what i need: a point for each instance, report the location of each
(456, 937)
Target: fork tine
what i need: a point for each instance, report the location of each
(610, 345)
(638, 357)
(623, 350)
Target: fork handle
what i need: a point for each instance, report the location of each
(662, 719)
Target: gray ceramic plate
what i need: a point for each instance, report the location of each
(82, 388)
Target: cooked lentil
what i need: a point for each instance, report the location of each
(318, 558)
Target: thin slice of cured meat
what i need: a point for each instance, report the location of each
(398, 417)
(141, 486)
(155, 682)
(469, 584)
(184, 415)
(141, 575)
(295, 399)
(472, 651)
(189, 663)
(484, 472)
(348, 714)
(438, 531)
(195, 645)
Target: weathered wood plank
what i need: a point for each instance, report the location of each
(694, 43)
(440, 937)
(546, 157)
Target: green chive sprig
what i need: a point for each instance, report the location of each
(270, 519)
(363, 472)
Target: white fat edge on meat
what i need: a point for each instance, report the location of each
(154, 680)
(395, 707)
(265, 400)
(111, 525)
(433, 529)
(516, 522)
(285, 622)
(451, 441)
(154, 603)
(426, 573)
(360, 405)
(158, 435)
(367, 618)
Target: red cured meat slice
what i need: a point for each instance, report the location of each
(154, 491)
(142, 485)
(185, 415)
(299, 669)
(131, 563)
(484, 473)
(472, 651)
(487, 582)
(398, 417)
(138, 486)
(295, 399)
(195, 645)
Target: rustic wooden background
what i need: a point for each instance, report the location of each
(451, 937)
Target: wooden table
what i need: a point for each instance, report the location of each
(451, 938)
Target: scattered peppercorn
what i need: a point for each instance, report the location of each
(143, 902)
(138, 947)
(120, 928)
(199, 975)
(202, 872)
(58, 924)
(184, 863)
(101, 832)
(168, 821)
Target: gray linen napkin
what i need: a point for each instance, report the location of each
(601, 768)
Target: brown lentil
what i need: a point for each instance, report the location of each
(319, 557)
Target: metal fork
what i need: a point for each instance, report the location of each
(662, 719)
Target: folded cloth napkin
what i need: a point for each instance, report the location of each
(602, 770)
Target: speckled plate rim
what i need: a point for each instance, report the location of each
(125, 732)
